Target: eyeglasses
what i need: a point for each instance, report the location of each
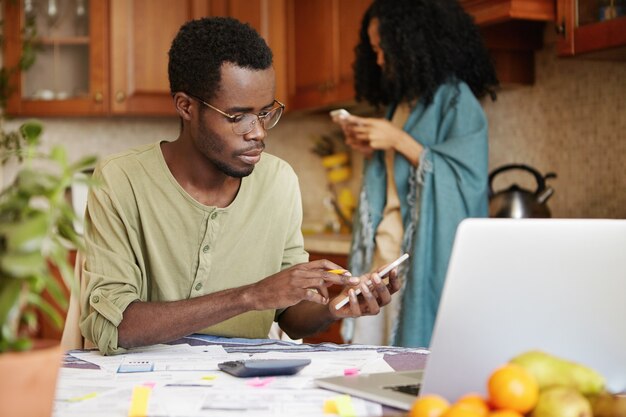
(244, 123)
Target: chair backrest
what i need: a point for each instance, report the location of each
(72, 337)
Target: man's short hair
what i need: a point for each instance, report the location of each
(203, 45)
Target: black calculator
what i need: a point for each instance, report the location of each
(263, 367)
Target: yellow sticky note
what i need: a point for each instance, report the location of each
(344, 406)
(341, 405)
(82, 398)
(330, 407)
(139, 402)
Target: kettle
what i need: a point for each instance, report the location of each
(516, 202)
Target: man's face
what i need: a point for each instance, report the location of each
(242, 90)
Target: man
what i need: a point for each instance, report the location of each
(202, 234)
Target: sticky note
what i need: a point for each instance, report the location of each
(139, 401)
(351, 371)
(82, 398)
(330, 407)
(344, 406)
(260, 382)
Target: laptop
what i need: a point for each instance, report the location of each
(512, 285)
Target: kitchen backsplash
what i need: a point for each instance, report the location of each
(571, 122)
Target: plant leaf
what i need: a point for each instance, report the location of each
(27, 235)
(9, 300)
(18, 265)
(46, 308)
(31, 131)
(87, 162)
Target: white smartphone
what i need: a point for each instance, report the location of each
(339, 114)
(381, 273)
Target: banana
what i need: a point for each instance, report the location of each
(552, 371)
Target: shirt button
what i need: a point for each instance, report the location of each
(213, 216)
(198, 286)
(205, 249)
(95, 299)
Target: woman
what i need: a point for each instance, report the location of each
(426, 161)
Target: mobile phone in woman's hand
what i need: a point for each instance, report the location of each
(339, 115)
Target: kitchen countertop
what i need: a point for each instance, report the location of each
(333, 243)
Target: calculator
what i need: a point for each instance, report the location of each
(263, 367)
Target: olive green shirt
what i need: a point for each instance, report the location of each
(148, 240)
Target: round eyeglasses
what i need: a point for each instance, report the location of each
(244, 123)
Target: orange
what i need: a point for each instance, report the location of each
(429, 405)
(475, 401)
(505, 413)
(512, 387)
(462, 410)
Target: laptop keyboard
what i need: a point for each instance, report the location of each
(411, 389)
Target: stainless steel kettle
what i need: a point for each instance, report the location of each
(516, 202)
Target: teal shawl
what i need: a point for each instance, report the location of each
(449, 185)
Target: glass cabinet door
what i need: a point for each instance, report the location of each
(67, 76)
(592, 26)
(61, 67)
(594, 11)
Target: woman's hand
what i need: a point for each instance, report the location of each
(357, 145)
(372, 298)
(365, 135)
(306, 281)
(379, 134)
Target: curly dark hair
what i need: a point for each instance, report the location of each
(203, 45)
(425, 43)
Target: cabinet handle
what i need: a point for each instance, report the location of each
(120, 96)
(560, 29)
(98, 97)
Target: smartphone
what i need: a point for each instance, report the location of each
(339, 114)
(382, 273)
(263, 367)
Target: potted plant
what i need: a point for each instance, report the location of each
(36, 235)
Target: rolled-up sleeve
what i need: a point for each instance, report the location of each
(113, 277)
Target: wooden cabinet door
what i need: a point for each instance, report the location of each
(141, 35)
(142, 32)
(322, 35)
(586, 27)
(69, 76)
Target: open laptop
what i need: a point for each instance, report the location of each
(512, 285)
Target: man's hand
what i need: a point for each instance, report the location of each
(371, 299)
(307, 281)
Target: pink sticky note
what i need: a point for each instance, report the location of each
(351, 371)
(260, 382)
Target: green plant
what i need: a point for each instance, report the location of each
(36, 220)
(36, 233)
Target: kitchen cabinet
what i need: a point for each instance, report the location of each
(489, 12)
(321, 37)
(591, 28)
(112, 59)
(141, 35)
(69, 76)
(512, 31)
